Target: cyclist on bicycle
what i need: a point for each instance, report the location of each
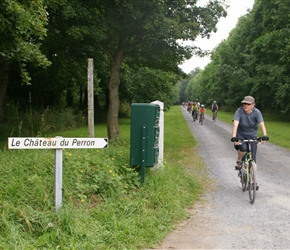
(202, 110)
(194, 110)
(214, 108)
(197, 103)
(245, 126)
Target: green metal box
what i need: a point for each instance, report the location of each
(144, 134)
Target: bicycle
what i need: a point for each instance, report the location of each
(194, 115)
(214, 115)
(201, 118)
(248, 167)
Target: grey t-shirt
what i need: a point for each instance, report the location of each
(248, 123)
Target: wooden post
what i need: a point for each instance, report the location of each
(91, 98)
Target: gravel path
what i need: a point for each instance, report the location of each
(225, 219)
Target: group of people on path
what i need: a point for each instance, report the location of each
(195, 108)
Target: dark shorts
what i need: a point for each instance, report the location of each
(245, 147)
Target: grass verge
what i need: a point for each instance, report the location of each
(104, 204)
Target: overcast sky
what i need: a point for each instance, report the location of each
(237, 8)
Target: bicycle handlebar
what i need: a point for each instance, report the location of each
(259, 139)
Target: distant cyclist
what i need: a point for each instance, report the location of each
(189, 106)
(194, 111)
(197, 103)
(214, 108)
(202, 111)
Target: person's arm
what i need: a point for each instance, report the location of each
(235, 128)
(263, 128)
(264, 131)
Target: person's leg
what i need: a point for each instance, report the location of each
(240, 155)
(254, 151)
(241, 149)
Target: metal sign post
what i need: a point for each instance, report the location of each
(58, 179)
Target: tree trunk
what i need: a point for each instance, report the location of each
(3, 84)
(113, 86)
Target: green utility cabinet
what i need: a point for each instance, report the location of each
(144, 138)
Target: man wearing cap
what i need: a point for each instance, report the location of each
(245, 126)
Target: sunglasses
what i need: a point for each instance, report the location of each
(246, 104)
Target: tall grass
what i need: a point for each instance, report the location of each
(21, 122)
(104, 204)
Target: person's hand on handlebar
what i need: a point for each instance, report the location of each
(263, 139)
(235, 140)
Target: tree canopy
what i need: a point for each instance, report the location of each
(22, 30)
(143, 35)
(252, 61)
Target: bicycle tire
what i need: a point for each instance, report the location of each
(252, 181)
(243, 177)
(194, 116)
(214, 116)
(201, 119)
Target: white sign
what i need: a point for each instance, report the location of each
(55, 143)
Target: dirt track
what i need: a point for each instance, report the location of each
(225, 219)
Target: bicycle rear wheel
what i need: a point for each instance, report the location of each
(243, 177)
(252, 181)
(214, 115)
(201, 119)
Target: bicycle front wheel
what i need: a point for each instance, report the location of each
(252, 181)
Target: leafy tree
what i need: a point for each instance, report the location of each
(148, 32)
(269, 55)
(152, 85)
(139, 33)
(22, 28)
(253, 60)
(182, 87)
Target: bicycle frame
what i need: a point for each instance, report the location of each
(247, 160)
(249, 164)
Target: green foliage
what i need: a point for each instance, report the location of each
(146, 85)
(252, 61)
(141, 34)
(22, 29)
(104, 204)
